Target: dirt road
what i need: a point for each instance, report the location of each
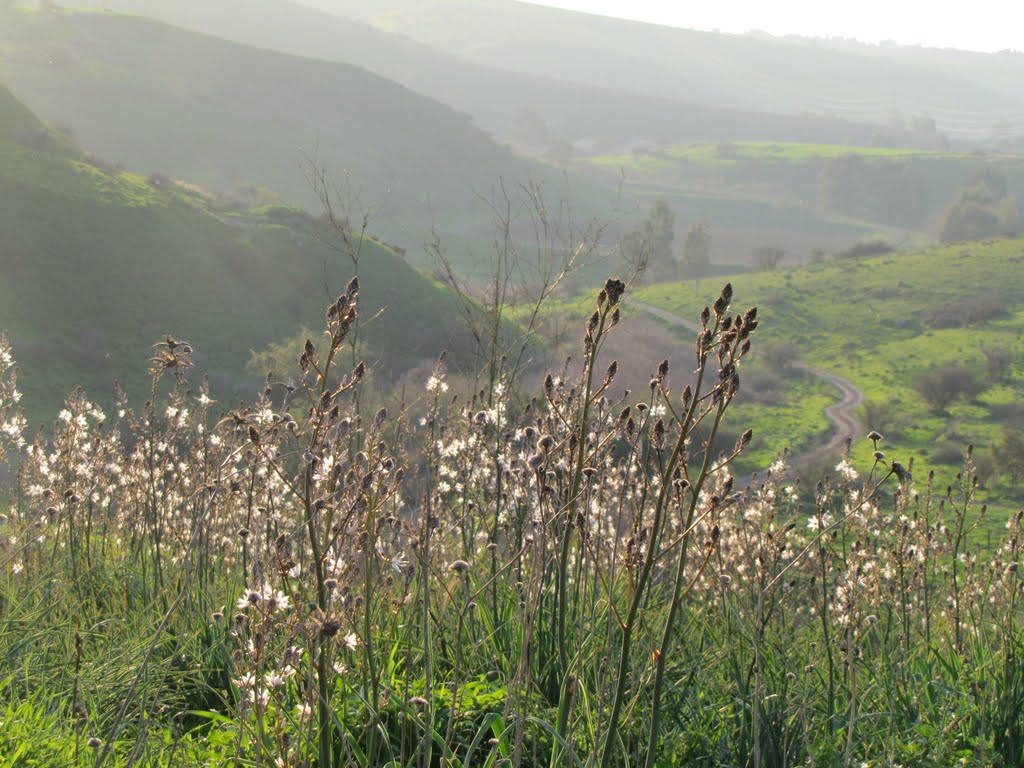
(841, 413)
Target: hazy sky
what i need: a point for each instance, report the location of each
(981, 25)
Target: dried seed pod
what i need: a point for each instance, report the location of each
(614, 287)
(609, 374)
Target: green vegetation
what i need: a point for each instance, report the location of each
(984, 207)
(790, 202)
(888, 323)
(898, 187)
(734, 153)
(98, 262)
(384, 535)
(162, 100)
(467, 580)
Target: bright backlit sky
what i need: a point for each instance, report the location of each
(980, 25)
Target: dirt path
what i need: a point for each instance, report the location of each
(841, 413)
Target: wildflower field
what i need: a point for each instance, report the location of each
(498, 577)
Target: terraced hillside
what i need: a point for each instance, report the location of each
(529, 110)
(966, 93)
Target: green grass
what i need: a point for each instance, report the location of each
(476, 583)
(793, 421)
(160, 99)
(799, 176)
(735, 153)
(869, 320)
(98, 263)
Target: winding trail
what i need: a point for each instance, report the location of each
(845, 425)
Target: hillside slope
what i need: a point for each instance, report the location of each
(160, 99)
(966, 93)
(889, 324)
(97, 264)
(529, 109)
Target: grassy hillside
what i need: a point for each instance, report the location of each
(805, 197)
(740, 222)
(529, 110)
(161, 99)
(97, 264)
(885, 323)
(966, 93)
(795, 170)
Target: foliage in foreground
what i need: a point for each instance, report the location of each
(573, 579)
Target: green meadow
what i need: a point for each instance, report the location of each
(286, 487)
(736, 153)
(883, 323)
(99, 263)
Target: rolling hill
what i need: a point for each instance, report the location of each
(888, 324)
(529, 110)
(97, 263)
(160, 99)
(807, 197)
(966, 93)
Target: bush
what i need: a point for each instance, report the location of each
(950, 453)
(38, 139)
(159, 180)
(947, 383)
(967, 312)
(998, 361)
(863, 248)
(767, 258)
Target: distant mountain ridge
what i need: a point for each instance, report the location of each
(966, 93)
(499, 100)
(162, 99)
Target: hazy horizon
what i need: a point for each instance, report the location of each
(873, 21)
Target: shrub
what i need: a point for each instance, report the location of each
(998, 361)
(947, 383)
(863, 248)
(159, 180)
(767, 258)
(968, 311)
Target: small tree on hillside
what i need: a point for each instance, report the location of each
(983, 208)
(559, 152)
(696, 261)
(967, 220)
(843, 184)
(652, 239)
(947, 383)
(1011, 455)
(1009, 216)
(767, 258)
(998, 361)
